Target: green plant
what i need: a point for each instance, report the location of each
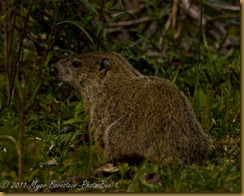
(43, 131)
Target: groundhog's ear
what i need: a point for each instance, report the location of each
(104, 65)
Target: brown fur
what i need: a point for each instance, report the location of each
(132, 114)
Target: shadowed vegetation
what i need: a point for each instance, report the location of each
(43, 128)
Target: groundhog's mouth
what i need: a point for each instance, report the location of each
(58, 68)
(59, 74)
(60, 77)
(64, 84)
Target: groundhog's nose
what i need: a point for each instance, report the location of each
(58, 64)
(56, 67)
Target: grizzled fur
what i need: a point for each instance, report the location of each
(133, 114)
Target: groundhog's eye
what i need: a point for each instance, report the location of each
(76, 64)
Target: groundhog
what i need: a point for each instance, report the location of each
(134, 115)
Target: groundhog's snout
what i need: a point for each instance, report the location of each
(59, 69)
(56, 67)
(58, 64)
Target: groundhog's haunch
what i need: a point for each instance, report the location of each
(134, 115)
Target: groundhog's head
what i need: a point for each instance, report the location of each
(93, 69)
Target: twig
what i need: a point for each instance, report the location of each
(8, 32)
(192, 10)
(101, 18)
(223, 6)
(174, 13)
(131, 22)
(51, 41)
(22, 35)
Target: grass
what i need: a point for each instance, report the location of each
(43, 131)
(217, 105)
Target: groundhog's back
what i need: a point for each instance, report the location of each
(132, 114)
